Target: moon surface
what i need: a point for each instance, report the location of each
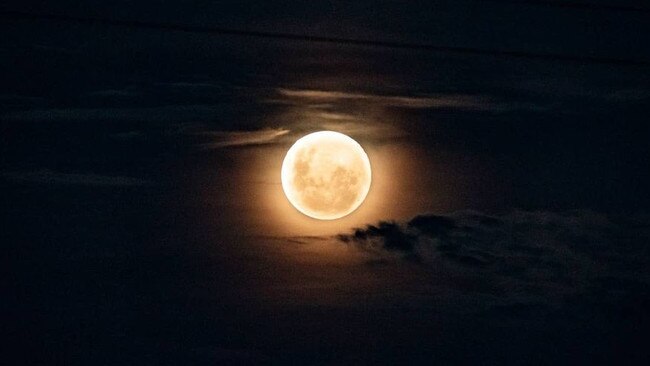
(326, 175)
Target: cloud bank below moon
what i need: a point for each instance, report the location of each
(523, 258)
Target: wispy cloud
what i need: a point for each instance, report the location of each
(377, 130)
(629, 95)
(128, 92)
(364, 123)
(456, 101)
(222, 139)
(172, 113)
(12, 100)
(46, 176)
(56, 49)
(189, 84)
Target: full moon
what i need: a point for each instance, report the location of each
(326, 175)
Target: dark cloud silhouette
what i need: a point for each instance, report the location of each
(432, 225)
(388, 235)
(526, 260)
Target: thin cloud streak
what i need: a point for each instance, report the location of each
(223, 139)
(172, 113)
(424, 102)
(46, 176)
(128, 92)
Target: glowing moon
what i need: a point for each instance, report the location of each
(326, 175)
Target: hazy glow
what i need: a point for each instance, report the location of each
(326, 175)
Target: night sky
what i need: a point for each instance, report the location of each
(143, 219)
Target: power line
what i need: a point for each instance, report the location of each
(575, 5)
(17, 15)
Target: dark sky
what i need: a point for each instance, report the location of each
(143, 219)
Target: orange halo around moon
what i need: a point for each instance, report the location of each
(326, 175)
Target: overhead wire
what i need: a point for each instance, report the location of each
(138, 24)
